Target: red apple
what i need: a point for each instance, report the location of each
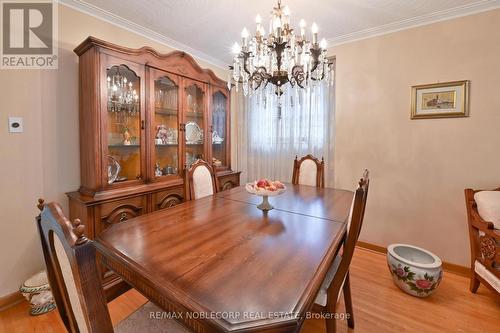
(262, 183)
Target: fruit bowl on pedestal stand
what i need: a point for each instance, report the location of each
(265, 189)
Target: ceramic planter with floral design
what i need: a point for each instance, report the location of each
(414, 270)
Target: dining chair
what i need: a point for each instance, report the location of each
(70, 259)
(337, 277)
(309, 171)
(201, 180)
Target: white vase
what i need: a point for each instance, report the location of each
(414, 270)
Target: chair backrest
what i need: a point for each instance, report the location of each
(201, 180)
(72, 272)
(355, 222)
(309, 171)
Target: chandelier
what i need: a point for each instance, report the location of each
(279, 58)
(122, 97)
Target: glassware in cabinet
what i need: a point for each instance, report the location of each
(123, 124)
(219, 138)
(194, 122)
(165, 126)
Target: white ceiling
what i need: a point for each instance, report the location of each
(208, 28)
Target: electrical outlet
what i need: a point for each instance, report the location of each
(15, 125)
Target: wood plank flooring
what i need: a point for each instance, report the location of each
(379, 306)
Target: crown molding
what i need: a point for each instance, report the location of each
(447, 14)
(106, 16)
(443, 15)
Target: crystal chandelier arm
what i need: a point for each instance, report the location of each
(260, 75)
(245, 56)
(298, 76)
(315, 53)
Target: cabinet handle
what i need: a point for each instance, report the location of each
(211, 128)
(182, 127)
(123, 217)
(143, 125)
(139, 177)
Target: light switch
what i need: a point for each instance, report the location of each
(15, 124)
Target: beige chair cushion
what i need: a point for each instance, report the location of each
(202, 182)
(149, 319)
(487, 275)
(69, 282)
(307, 173)
(321, 299)
(488, 206)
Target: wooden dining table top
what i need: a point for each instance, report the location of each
(219, 264)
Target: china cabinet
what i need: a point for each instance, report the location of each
(144, 118)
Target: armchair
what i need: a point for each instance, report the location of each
(485, 247)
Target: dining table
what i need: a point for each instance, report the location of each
(219, 264)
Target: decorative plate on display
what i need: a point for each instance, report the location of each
(113, 169)
(265, 188)
(194, 134)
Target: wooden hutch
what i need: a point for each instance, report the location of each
(144, 118)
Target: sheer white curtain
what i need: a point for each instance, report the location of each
(269, 138)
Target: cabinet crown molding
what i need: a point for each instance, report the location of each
(183, 59)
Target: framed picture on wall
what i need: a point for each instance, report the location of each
(440, 100)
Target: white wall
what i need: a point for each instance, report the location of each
(419, 168)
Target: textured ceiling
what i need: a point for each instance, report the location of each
(212, 26)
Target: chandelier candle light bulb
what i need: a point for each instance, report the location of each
(236, 49)
(314, 30)
(303, 25)
(323, 44)
(281, 58)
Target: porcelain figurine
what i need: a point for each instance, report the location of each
(158, 171)
(126, 136)
(162, 133)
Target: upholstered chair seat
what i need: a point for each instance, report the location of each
(322, 294)
(309, 171)
(149, 319)
(488, 275)
(337, 277)
(201, 180)
(70, 258)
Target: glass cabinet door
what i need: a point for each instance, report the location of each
(123, 124)
(194, 122)
(165, 125)
(219, 130)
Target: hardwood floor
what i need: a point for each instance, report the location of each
(379, 306)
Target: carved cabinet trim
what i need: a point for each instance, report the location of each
(169, 201)
(123, 213)
(228, 180)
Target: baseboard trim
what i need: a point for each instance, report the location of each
(449, 267)
(372, 247)
(10, 300)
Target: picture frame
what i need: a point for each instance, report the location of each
(440, 100)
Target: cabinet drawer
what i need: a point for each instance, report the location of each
(168, 198)
(122, 210)
(227, 182)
